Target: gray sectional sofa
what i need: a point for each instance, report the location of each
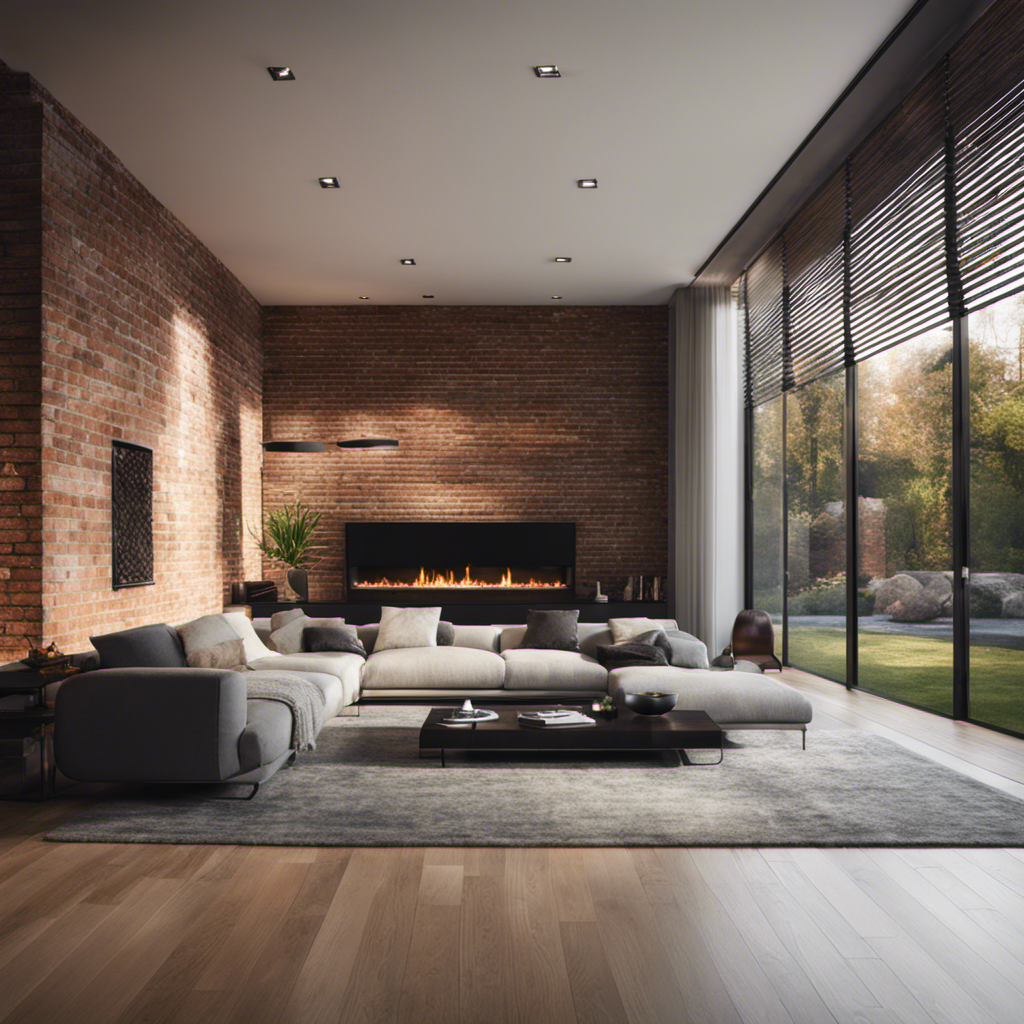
(145, 715)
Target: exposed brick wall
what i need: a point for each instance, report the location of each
(146, 337)
(20, 366)
(517, 413)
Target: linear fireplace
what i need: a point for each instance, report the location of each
(450, 561)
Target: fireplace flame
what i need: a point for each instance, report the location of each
(446, 581)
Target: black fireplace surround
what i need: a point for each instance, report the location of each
(451, 562)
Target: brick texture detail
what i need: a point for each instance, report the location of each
(146, 337)
(503, 413)
(20, 366)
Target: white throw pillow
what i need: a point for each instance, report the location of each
(243, 627)
(407, 627)
(626, 629)
(279, 619)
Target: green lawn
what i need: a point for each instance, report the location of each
(920, 671)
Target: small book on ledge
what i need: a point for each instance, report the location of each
(560, 717)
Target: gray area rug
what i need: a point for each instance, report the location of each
(365, 785)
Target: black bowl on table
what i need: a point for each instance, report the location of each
(650, 703)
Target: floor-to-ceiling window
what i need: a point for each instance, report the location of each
(996, 589)
(767, 518)
(816, 528)
(904, 522)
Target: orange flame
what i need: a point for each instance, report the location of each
(442, 581)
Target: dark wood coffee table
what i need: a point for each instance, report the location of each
(677, 730)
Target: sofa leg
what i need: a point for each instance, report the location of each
(255, 789)
(804, 733)
(291, 760)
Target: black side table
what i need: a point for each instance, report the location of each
(26, 733)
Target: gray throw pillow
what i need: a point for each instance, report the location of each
(687, 651)
(552, 630)
(445, 634)
(650, 648)
(331, 638)
(287, 639)
(407, 627)
(156, 646)
(205, 631)
(226, 654)
(279, 619)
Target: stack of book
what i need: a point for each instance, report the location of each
(557, 717)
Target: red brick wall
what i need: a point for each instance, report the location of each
(20, 366)
(517, 413)
(146, 337)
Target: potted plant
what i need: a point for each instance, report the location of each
(288, 534)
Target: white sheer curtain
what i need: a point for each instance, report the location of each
(706, 464)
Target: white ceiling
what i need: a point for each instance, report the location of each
(448, 148)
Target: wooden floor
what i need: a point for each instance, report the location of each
(111, 933)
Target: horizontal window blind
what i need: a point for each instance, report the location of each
(986, 113)
(924, 223)
(765, 324)
(897, 211)
(814, 269)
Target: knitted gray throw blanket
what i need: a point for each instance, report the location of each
(306, 700)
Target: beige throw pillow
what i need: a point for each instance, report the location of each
(288, 638)
(227, 654)
(407, 627)
(626, 629)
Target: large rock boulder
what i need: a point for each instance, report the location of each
(940, 586)
(990, 592)
(919, 607)
(1013, 606)
(896, 588)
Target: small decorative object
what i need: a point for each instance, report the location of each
(469, 715)
(605, 708)
(288, 534)
(49, 662)
(627, 591)
(656, 588)
(640, 596)
(599, 598)
(650, 703)
(131, 515)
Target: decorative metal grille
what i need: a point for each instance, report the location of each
(132, 514)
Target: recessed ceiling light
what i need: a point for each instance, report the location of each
(587, 183)
(408, 263)
(329, 182)
(282, 74)
(547, 71)
(364, 296)
(556, 296)
(563, 259)
(427, 296)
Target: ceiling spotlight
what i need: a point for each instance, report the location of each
(294, 446)
(587, 183)
(563, 259)
(369, 442)
(364, 296)
(547, 71)
(408, 263)
(427, 296)
(329, 182)
(282, 74)
(556, 296)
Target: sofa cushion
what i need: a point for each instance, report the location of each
(729, 697)
(206, 631)
(402, 628)
(156, 646)
(368, 636)
(343, 669)
(433, 668)
(626, 629)
(687, 650)
(226, 654)
(552, 629)
(281, 619)
(531, 669)
(445, 634)
(287, 638)
(332, 638)
(483, 638)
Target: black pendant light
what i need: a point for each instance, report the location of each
(369, 442)
(294, 446)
